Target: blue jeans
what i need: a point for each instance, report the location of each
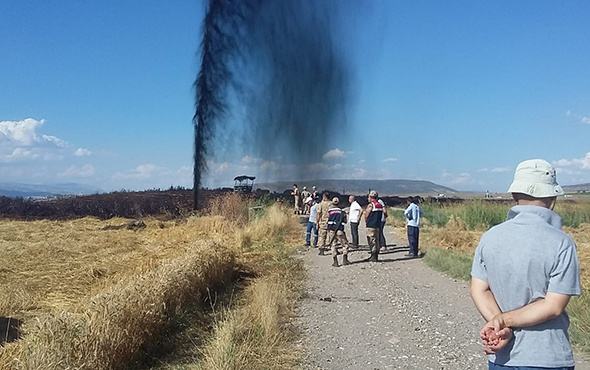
(493, 366)
(311, 226)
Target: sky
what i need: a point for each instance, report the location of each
(453, 92)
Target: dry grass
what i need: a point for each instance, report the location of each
(255, 335)
(92, 298)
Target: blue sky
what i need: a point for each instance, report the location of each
(454, 92)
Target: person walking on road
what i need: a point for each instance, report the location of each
(322, 222)
(374, 212)
(524, 272)
(413, 215)
(336, 221)
(354, 216)
(311, 223)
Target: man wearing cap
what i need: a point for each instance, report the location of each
(313, 213)
(374, 212)
(336, 221)
(524, 272)
(322, 222)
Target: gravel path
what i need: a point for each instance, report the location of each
(395, 314)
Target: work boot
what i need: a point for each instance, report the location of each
(335, 264)
(321, 252)
(345, 260)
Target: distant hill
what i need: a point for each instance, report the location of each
(14, 189)
(576, 188)
(384, 187)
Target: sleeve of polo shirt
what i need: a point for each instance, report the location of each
(478, 268)
(565, 276)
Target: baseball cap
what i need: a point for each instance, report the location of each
(373, 194)
(335, 200)
(308, 199)
(535, 177)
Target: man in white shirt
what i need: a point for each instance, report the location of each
(311, 224)
(354, 215)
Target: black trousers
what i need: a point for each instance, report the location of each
(354, 231)
(413, 236)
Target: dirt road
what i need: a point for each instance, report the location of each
(394, 314)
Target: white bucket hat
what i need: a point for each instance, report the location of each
(535, 177)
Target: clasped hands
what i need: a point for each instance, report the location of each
(495, 335)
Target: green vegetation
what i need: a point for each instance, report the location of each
(455, 264)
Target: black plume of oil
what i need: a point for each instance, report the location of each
(273, 74)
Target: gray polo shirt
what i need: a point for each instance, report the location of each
(522, 259)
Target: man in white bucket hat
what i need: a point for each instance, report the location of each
(524, 272)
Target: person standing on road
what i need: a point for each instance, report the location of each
(413, 214)
(355, 214)
(297, 199)
(322, 222)
(336, 221)
(373, 221)
(382, 242)
(311, 223)
(304, 195)
(524, 272)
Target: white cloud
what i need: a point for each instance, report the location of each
(358, 173)
(457, 179)
(250, 160)
(391, 159)
(335, 154)
(86, 170)
(81, 152)
(579, 163)
(20, 141)
(495, 169)
(21, 132)
(581, 118)
(141, 172)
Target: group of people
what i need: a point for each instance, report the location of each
(300, 199)
(327, 219)
(524, 270)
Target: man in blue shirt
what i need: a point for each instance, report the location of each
(524, 272)
(413, 214)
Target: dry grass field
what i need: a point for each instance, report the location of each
(94, 294)
(451, 234)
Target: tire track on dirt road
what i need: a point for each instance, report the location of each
(394, 314)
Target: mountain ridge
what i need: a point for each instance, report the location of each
(383, 187)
